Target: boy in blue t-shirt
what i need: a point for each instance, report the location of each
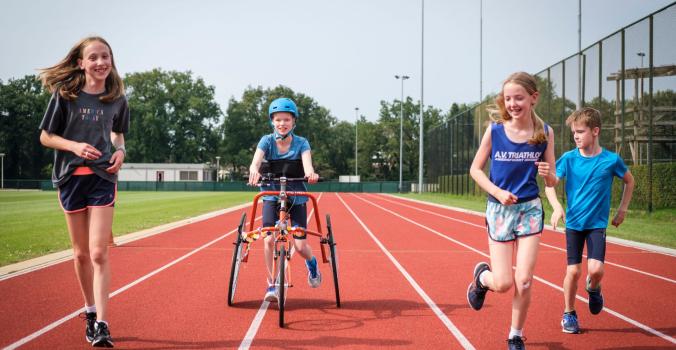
(284, 145)
(589, 170)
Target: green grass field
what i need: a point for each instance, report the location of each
(657, 228)
(32, 224)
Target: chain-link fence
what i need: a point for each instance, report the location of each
(630, 76)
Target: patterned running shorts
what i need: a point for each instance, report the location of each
(506, 223)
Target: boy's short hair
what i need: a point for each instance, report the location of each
(588, 116)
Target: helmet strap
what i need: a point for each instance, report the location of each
(279, 136)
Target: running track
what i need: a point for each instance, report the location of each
(404, 271)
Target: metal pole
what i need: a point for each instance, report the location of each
(2, 166)
(651, 73)
(218, 167)
(356, 121)
(481, 48)
(401, 130)
(422, 75)
(579, 54)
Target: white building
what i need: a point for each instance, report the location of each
(166, 172)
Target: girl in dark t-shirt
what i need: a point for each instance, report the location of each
(86, 115)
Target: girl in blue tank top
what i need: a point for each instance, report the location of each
(520, 146)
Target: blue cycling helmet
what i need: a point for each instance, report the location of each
(283, 104)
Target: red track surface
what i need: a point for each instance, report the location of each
(183, 305)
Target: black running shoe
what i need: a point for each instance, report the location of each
(516, 343)
(476, 292)
(90, 319)
(102, 338)
(595, 298)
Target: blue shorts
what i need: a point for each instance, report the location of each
(505, 223)
(298, 213)
(596, 244)
(86, 191)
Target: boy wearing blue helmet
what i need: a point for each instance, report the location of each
(283, 145)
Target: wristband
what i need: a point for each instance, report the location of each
(121, 148)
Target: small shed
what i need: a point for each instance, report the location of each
(160, 172)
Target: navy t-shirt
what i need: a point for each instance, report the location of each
(84, 119)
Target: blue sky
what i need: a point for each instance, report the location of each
(342, 53)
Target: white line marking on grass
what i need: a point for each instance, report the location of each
(612, 312)
(55, 324)
(258, 320)
(543, 244)
(432, 305)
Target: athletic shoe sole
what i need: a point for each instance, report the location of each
(564, 330)
(104, 343)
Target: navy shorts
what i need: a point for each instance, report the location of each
(596, 244)
(298, 213)
(86, 191)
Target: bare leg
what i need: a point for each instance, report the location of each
(303, 248)
(100, 223)
(596, 272)
(500, 279)
(78, 228)
(526, 256)
(570, 286)
(268, 250)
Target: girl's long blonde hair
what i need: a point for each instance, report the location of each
(498, 112)
(67, 78)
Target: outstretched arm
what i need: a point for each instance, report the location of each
(80, 149)
(626, 198)
(547, 168)
(254, 175)
(477, 173)
(558, 213)
(120, 152)
(309, 170)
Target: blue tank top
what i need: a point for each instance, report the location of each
(513, 164)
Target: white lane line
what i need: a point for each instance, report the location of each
(258, 320)
(543, 244)
(255, 324)
(432, 305)
(55, 324)
(24, 267)
(640, 246)
(612, 312)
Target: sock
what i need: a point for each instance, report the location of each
(90, 309)
(481, 278)
(97, 323)
(515, 333)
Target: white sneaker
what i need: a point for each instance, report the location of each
(312, 267)
(271, 294)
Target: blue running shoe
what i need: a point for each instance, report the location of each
(595, 298)
(314, 277)
(516, 343)
(569, 323)
(271, 294)
(476, 292)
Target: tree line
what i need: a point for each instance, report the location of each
(175, 119)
